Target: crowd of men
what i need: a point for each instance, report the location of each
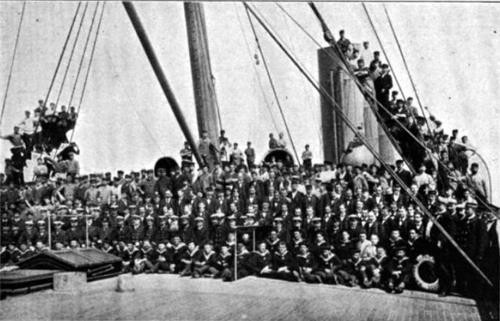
(234, 217)
(37, 136)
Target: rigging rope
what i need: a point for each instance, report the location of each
(4, 103)
(88, 67)
(59, 62)
(418, 141)
(130, 100)
(306, 92)
(407, 69)
(347, 69)
(382, 47)
(91, 27)
(365, 141)
(256, 72)
(71, 54)
(61, 56)
(275, 93)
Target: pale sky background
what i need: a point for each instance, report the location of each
(126, 122)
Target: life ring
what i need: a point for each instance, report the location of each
(424, 273)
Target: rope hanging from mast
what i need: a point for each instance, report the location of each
(61, 55)
(91, 59)
(369, 96)
(383, 48)
(407, 69)
(59, 61)
(329, 38)
(275, 93)
(254, 63)
(418, 141)
(4, 103)
(365, 141)
(307, 93)
(91, 27)
(71, 54)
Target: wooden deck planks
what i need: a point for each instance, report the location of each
(173, 298)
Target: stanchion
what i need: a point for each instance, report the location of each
(253, 237)
(86, 231)
(49, 229)
(236, 255)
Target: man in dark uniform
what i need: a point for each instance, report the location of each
(250, 155)
(475, 246)
(327, 265)
(200, 232)
(283, 263)
(405, 175)
(121, 231)
(443, 250)
(176, 253)
(399, 269)
(136, 230)
(218, 233)
(58, 234)
(383, 85)
(29, 235)
(206, 263)
(306, 263)
(163, 260)
(186, 153)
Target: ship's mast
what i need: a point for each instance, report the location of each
(160, 75)
(203, 85)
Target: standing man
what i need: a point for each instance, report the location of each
(366, 54)
(250, 154)
(28, 129)
(307, 158)
(383, 85)
(412, 110)
(343, 42)
(281, 140)
(273, 142)
(186, 153)
(207, 149)
(375, 64)
(477, 183)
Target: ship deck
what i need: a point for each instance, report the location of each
(169, 297)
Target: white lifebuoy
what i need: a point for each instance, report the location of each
(423, 282)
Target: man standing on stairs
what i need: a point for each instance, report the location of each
(383, 85)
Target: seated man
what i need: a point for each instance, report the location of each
(368, 271)
(398, 271)
(187, 259)
(206, 263)
(260, 261)
(244, 265)
(283, 263)
(224, 262)
(145, 260)
(350, 274)
(306, 263)
(128, 255)
(176, 251)
(326, 266)
(164, 262)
